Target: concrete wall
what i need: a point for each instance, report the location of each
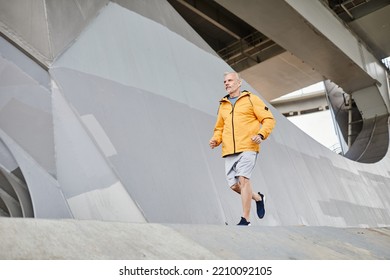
(125, 118)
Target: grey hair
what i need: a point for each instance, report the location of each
(237, 75)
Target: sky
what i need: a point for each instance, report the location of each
(318, 125)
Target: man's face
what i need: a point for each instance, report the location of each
(231, 83)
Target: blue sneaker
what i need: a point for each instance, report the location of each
(260, 206)
(244, 222)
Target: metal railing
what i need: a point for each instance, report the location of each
(336, 148)
(245, 48)
(386, 62)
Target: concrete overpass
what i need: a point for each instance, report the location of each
(93, 99)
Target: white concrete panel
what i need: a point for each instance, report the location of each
(10, 75)
(110, 57)
(163, 13)
(15, 56)
(47, 197)
(107, 204)
(66, 19)
(31, 128)
(7, 161)
(81, 167)
(161, 152)
(99, 135)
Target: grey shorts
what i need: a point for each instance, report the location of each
(241, 164)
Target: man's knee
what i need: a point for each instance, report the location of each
(236, 188)
(243, 181)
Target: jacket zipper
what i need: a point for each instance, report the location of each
(234, 139)
(232, 112)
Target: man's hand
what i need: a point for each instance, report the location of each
(213, 143)
(257, 139)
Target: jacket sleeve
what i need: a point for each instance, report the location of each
(264, 115)
(218, 128)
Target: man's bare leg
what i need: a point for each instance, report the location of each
(237, 189)
(244, 188)
(240, 188)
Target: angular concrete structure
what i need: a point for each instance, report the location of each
(108, 116)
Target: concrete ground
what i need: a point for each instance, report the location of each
(96, 240)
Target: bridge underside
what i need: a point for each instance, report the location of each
(110, 120)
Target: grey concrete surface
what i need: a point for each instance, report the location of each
(118, 130)
(40, 239)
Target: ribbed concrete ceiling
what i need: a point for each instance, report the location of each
(233, 34)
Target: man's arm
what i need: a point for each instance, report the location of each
(216, 140)
(265, 117)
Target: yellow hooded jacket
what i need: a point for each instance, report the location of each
(237, 124)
